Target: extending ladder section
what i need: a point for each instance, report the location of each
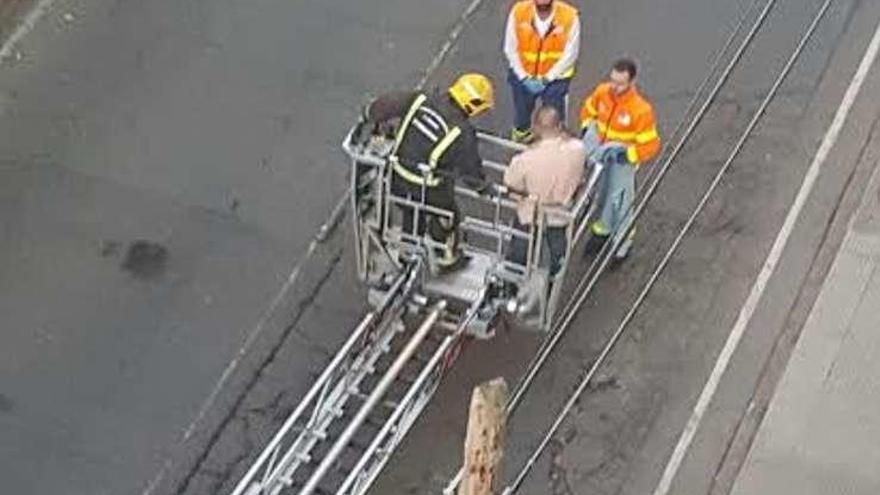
(348, 424)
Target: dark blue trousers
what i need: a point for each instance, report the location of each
(555, 239)
(524, 102)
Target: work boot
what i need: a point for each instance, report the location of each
(594, 245)
(522, 137)
(452, 264)
(617, 261)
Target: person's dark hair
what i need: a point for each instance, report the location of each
(627, 65)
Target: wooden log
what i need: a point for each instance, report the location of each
(484, 442)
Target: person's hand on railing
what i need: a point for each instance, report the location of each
(509, 190)
(502, 190)
(486, 189)
(480, 185)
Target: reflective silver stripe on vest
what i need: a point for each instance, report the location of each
(418, 124)
(419, 101)
(442, 146)
(426, 121)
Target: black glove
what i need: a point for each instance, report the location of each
(474, 183)
(487, 189)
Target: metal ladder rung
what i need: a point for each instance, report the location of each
(369, 370)
(299, 484)
(385, 403)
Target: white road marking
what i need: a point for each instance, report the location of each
(748, 310)
(450, 42)
(27, 25)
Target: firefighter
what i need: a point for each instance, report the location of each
(434, 143)
(620, 131)
(541, 45)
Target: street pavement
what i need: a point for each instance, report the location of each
(210, 131)
(820, 432)
(11, 14)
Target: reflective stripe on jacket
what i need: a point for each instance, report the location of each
(539, 54)
(627, 118)
(432, 126)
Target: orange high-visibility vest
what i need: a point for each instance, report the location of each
(538, 54)
(627, 118)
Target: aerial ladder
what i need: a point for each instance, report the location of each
(349, 423)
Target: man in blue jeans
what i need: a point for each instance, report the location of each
(541, 44)
(620, 131)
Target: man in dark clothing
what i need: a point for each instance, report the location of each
(434, 143)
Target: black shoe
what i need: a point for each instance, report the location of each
(460, 263)
(509, 289)
(617, 262)
(522, 137)
(594, 245)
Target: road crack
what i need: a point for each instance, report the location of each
(223, 474)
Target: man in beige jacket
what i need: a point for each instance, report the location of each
(550, 171)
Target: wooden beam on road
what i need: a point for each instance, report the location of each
(484, 442)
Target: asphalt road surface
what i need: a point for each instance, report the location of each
(164, 165)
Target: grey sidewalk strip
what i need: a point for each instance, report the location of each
(817, 434)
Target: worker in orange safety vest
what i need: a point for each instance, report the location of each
(541, 45)
(620, 132)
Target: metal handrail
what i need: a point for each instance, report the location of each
(585, 201)
(375, 396)
(310, 396)
(492, 165)
(504, 143)
(403, 406)
(503, 199)
(315, 390)
(470, 193)
(484, 226)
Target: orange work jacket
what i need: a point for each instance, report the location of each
(538, 54)
(627, 118)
